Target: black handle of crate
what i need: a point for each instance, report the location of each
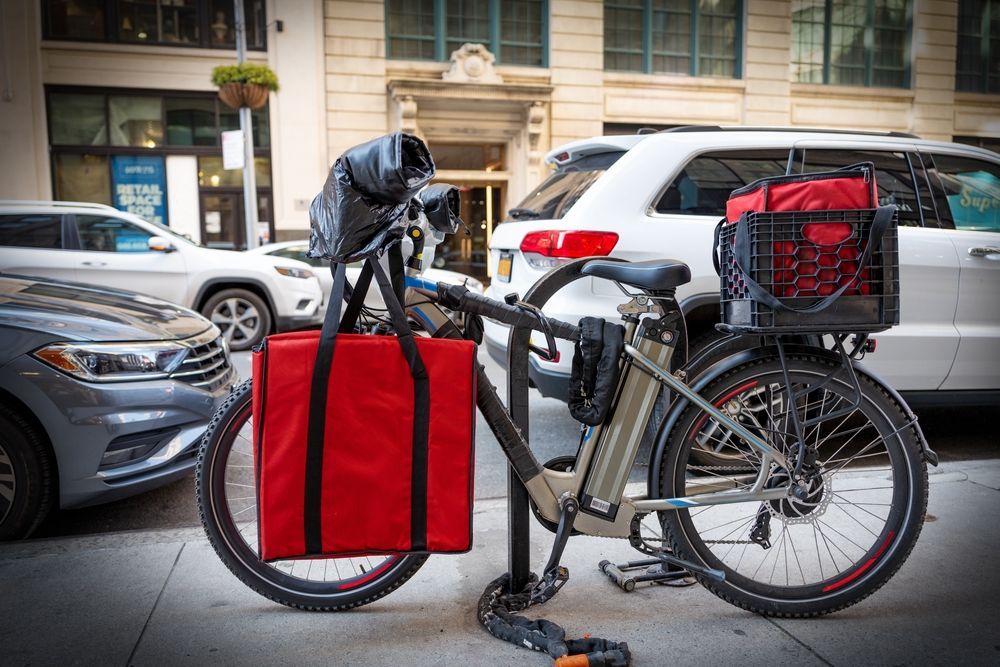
(742, 251)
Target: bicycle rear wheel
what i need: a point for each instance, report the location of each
(864, 510)
(227, 502)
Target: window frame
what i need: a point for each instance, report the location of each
(984, 51)
(495, 42)
(694, 54)
(112, 20)
(869, 44)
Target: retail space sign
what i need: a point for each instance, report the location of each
(140, 186)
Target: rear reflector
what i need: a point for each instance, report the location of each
(569, 244)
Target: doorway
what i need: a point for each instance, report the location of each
(222, 219)
(482, 207)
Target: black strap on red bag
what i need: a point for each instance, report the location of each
(318, 397)
(742, 251)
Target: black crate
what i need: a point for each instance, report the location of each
(787, 262)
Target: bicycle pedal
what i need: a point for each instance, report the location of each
(549, 585)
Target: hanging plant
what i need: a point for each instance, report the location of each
(246, 84)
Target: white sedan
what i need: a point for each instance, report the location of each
(297, 250)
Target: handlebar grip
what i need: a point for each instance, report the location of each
(458, 297)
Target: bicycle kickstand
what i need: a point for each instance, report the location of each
(555, 575)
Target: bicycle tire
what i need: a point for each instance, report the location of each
(871, 540)
(289, 582)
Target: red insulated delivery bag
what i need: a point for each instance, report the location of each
(363, 444)
(809, 252)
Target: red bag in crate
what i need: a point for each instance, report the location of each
(363, 444)
(822, 256)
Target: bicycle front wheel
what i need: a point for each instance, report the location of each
(866, 501)
(227, 501)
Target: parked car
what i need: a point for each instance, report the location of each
(246, 296)
(103, 394)
(660, 196)
(297, 250)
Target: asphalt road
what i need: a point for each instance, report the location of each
(955, 433)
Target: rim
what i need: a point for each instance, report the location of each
(846, 525)
(234, 504)
(238, 319)
(8, 484)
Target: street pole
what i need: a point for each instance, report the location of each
(246, 127)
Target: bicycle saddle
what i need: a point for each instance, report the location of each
(654, 274)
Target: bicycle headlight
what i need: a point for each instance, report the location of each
(293, 272)
(114, 362)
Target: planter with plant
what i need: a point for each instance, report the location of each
(245, 84)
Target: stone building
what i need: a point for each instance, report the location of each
(491, 85)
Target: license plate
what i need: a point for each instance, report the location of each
(503, 267)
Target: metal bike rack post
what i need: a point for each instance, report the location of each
(518, 516)
(518, 512)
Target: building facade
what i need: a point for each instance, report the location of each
(102, 94)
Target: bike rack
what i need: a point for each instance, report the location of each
(518, 511)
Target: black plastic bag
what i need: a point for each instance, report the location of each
(595, 371)
(442, 205)
(362, 208)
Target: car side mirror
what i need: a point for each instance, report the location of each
(160, 244)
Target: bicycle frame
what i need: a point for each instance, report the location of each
(547, 487)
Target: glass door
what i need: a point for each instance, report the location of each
(482, 208)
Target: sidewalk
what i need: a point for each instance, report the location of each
(150, 598)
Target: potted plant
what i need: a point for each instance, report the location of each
(245, 84)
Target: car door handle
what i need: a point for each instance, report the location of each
(104, 263)
(984, 251)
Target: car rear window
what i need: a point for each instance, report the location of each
(31, 231)
(556, 195)
(703, 186)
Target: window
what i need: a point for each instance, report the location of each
(703, 186)
(555, 196)
(99, 119)
(102, 234)
(892, 175)
(972, 192)
(978, 60)
(31, 231)
(478, 157)
(697, 38)
(431, 29)
(82, 177)
(212, 175)
(195, 23)
(852, 42)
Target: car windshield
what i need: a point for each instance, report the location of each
(161, 228)
(556, 195)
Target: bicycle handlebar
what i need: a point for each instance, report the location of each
(458, 297)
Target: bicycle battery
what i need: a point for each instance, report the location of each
(621, 435)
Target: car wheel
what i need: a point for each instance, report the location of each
(26, 477)
(241, 315)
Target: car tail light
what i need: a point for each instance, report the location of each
(569, 244)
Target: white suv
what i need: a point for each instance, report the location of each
(247, 296)
(660, 196)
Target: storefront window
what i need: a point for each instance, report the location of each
(77, 120)
(229, 119)
(190, 121)
(212, 175)
(199, 23)
(75, 19)
(135, 121)
(83, 178)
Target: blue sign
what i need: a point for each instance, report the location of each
(140, 186)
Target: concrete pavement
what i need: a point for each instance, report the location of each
(163, 597)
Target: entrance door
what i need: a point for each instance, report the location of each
(482, 208)
(222, 221)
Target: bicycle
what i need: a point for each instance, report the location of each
(820, 502)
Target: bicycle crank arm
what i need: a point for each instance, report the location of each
(715, 575)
